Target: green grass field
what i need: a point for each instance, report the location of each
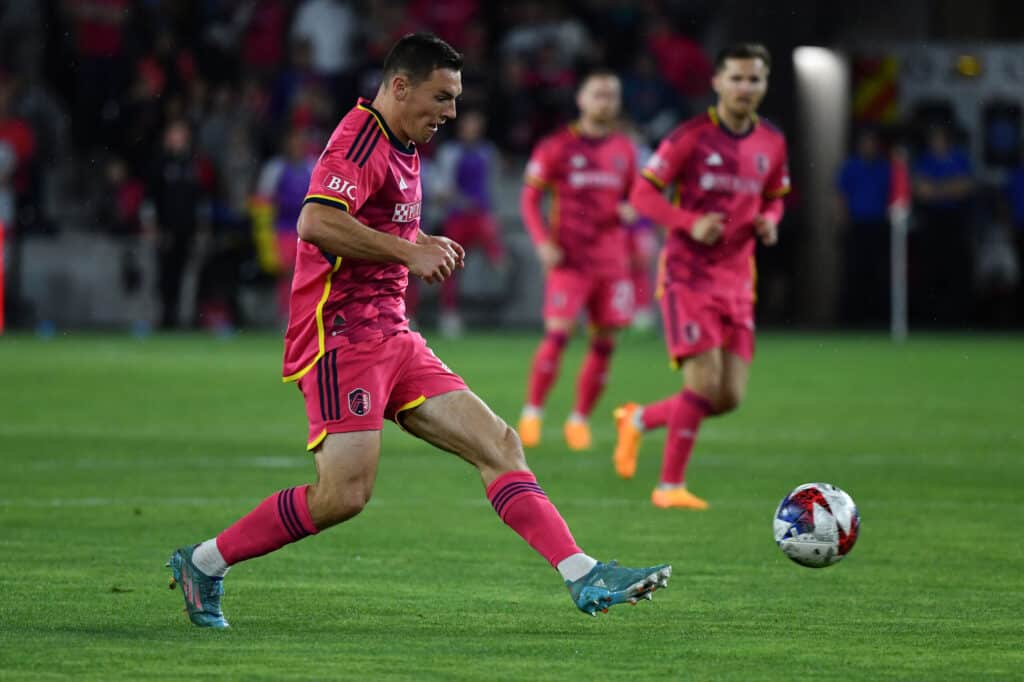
(115, 451)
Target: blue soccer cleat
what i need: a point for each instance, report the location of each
(609, 584)
(202, 593)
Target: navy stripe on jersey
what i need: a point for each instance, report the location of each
(359, 139)
(363, 159)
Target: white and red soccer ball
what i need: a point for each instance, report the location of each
(816, 525)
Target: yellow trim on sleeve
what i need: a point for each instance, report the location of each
(319, 325)
(536, 183)
(316, 441)
(329, 198)
(658, 182)
(776, 193)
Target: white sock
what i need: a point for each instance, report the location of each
(533, 411)
(577, 417)
(576, 566)
(638, 419)
(208, 559)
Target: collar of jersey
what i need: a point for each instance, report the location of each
(364, 105)
(713, 115)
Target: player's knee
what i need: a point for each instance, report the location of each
(508, 451)
(332, 505)
(729, 398)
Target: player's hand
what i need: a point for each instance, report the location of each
(708, 229)
(550, 255)
(454, 245)
(766, 230)
(434, 259)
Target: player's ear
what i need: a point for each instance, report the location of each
(400, 87)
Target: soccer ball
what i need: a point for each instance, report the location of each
(816, 525)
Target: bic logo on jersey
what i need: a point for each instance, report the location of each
(343, 187)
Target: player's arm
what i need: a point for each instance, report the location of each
(336, 232)
(766, 223)
(535, 183)
(648, 197)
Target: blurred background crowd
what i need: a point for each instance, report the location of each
(154, 154)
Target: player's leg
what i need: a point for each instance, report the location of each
(691, 330)
(610, 307)
(563, 297)
(459, 422)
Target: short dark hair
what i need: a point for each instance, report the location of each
(595, 72)
(418, 54)
(743, 51)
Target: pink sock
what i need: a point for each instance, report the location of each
(280, 519)
(593, 375)
(545, 367)
(656, 414)
(526, 509)
(683, 423)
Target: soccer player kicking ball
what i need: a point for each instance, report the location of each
(588, 168)
(349, 347)
(726, 172)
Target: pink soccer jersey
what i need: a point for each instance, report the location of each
(710, 169)
(587, 178)
(367, 172)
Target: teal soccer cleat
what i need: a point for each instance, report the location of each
(609, 584)
(202, 593)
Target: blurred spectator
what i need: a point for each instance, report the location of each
(331, 28)
(863, 185)
(178, 184)
(943, 184)
(17, 156)
(1015, 201)
(283, 182)
(451, 20)
(648, 98)
(681, 59)
(99, 31)
(119, 200)
(464, 174)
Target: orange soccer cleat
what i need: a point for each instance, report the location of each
(678, 498)
(577, 434)
(529, 430)
(627, 445)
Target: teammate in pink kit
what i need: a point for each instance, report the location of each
(350, 349)
(587, 168)
(725, 172)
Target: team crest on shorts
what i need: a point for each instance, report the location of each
(359, 402)
(691, 330)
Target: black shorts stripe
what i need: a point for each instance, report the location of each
(335, 398)
(360, 138)
(320, 370)
(363, 159)
(286, 511)
(673, 322)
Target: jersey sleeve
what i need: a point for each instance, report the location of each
(666, 163)
(541, 169)
(345, 178)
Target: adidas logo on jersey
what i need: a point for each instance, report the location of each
(713, 159)
(401, 183)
